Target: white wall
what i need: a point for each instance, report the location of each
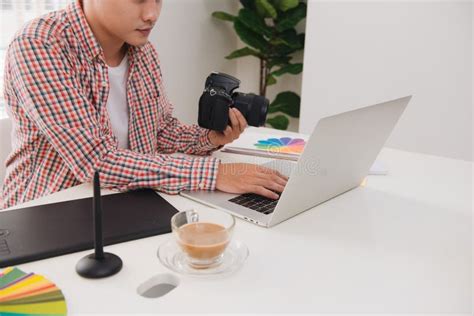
(191, 45)
(360, 53)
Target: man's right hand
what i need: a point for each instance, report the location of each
(240, 178)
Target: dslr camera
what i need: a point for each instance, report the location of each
(219, 96)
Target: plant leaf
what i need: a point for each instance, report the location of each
(291, 39)
(279, 122)
(287, 102)
(291, 18)
(301, 38)
(249, 37)
(254, 22)
(223, 16)
(265, 9)
(277, 41)
(293, 69)
(246, 51)
(282, 50)
(271, 80)
(279, 61)
(249, 4)
(285, 5)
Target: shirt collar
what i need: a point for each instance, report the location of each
(87, 39)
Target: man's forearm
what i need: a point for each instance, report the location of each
(188, 139)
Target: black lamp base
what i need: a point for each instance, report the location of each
(92, 268)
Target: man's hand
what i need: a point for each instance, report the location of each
(248, 178)
(232, 132)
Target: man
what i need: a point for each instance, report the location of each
(84, 90)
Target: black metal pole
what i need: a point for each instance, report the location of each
(99, 264)
(97, 206)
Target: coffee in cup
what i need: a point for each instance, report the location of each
(203, 235)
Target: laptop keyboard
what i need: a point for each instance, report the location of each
(260, 203)
(255, 202)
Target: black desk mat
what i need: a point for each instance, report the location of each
(46, 231)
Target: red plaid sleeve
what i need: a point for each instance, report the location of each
(175, 136)
(49, 95)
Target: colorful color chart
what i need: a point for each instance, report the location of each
(29, 294)
(282, 145)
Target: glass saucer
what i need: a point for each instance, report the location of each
(172, 257)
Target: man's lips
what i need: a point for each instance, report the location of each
(145, 31)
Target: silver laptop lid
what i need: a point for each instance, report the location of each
(338, 156)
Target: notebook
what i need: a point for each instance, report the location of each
(268, 145)
(288, 147)
(45, 231)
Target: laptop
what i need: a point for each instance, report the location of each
(336, 159)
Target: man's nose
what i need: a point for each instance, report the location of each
(151, 12)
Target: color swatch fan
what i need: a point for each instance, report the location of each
(29, 294)
(255, 143)
(285, 145)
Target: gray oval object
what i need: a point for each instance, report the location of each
(158, 286)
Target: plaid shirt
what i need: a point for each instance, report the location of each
(56, 88)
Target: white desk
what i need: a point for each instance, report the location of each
(400, 244)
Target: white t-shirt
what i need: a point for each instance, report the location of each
(117, 105)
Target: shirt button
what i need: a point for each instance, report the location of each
(104, 83)
(201, 185)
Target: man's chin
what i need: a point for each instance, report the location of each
(138, 42)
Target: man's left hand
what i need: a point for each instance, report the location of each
(232, 132)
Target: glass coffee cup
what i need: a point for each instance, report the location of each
(203, 235)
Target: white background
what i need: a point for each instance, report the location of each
(359, 53)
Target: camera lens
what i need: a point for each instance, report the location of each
(263, 105)
(253, 107)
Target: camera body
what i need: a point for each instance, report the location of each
(219, 96)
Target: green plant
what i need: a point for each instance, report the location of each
(268, 28)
